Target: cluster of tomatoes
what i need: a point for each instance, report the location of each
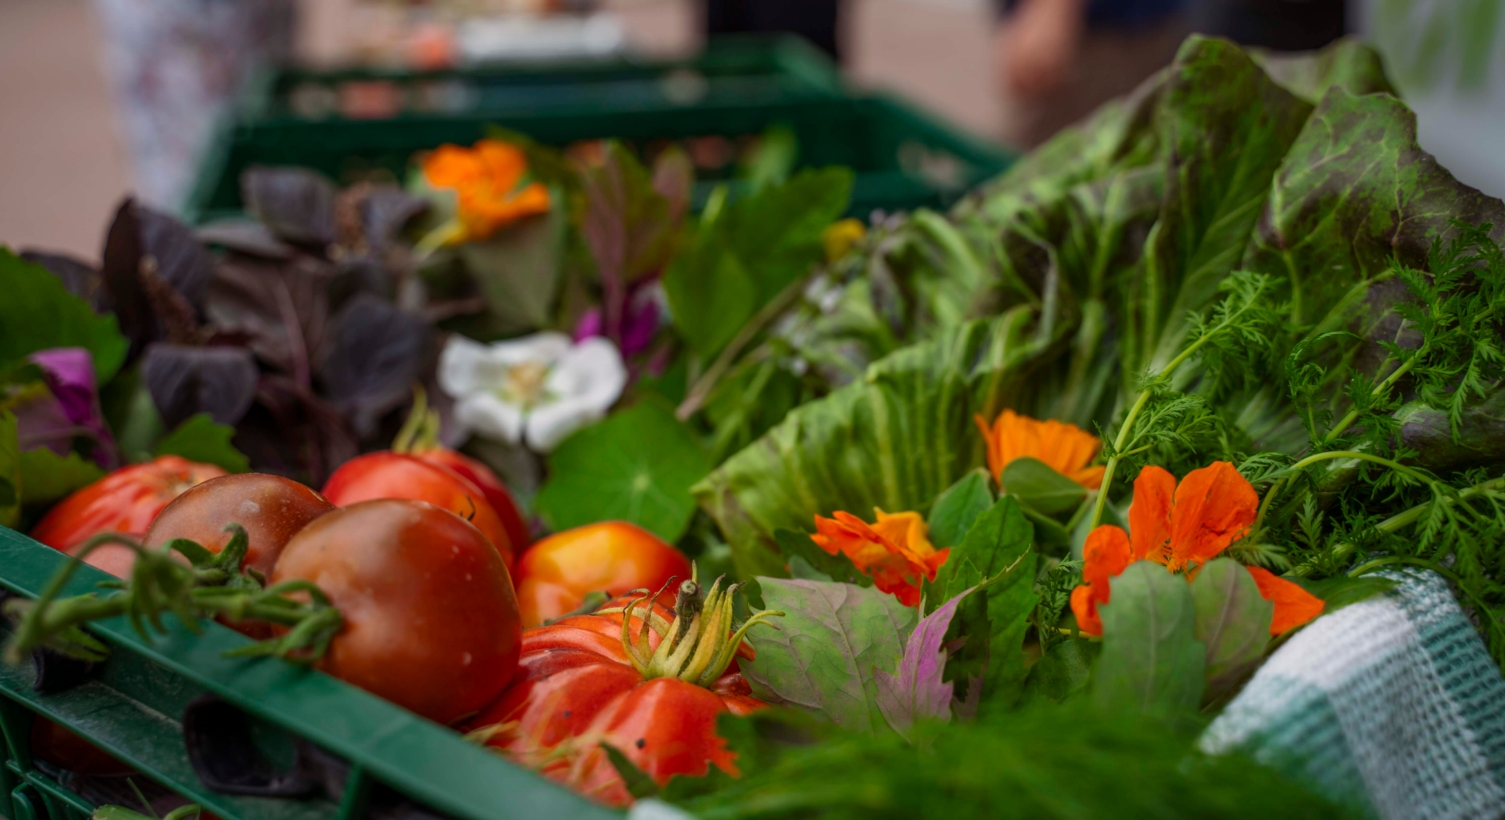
(448, 609)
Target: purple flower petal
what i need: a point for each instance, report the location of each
(589, 325)
(69, 375)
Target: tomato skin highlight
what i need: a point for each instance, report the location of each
(431, 620)
(395, 475)
(576, 688)
(270, 508)
(554, 575)
(125, 501)
(492, 485)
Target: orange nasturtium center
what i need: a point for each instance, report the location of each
(1183, 527)
(488, 180)
(895, 551)
(1065, 448)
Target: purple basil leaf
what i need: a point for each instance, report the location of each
(121, 274)
(282, 308)
(171, 249)
(376, 352)
(628, 227)
(69, 374)
(183, 381)
(80, 278)
(385, 210)
(245, 236)
(295, 204)
(917, 691)
(291, 432)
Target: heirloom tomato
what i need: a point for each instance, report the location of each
(125, 501)
(496, 491)
(395, 475)
(270, 508)
(654, 694)
(554, 575)
(430, 618)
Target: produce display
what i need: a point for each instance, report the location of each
(762, 510)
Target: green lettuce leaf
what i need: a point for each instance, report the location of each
(894, 440)
(38, 313)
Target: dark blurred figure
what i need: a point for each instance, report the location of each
(815, 20)
(1060, 59)
(1281, 25)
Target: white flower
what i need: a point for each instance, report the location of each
(537, 389)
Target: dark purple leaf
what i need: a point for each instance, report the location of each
(80, 278)
(289, 431)
(295, 204)
(121, 274)
(917, 691)
(375, 354)
(245, 236)
(171, 249)
(283, 309)
(629, 228)
(674, 179)
(220, 381)
(385, 210)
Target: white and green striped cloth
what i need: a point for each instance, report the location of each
(1391, 705)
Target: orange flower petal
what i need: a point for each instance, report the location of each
(1065, 448)
(1084, 607)
(895, 552)
(1214, 507)
(449, 166)
(1150, 514)
(1294, 606)
(1105, 554)
(486, 178)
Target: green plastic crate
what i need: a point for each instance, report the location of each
(743, 70)
(903, 158)
(131, 706)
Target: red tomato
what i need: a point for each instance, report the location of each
(271, 508)
(124, 501)
(64, 748)
(394, 475)
(430, 616)
(576, 688)
(490, 484)
(615, 557)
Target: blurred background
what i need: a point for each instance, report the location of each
(102, 97)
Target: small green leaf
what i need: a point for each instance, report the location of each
(10, 470)
(39, 313)
(48, 476)
(201, 439)
(637, 781)
(1064, 671)
(800, 570)
(1152, 660)
(1042, 488)
(517, 269)
(830, 642)
(638, 466)
(994, 543)
(1232, 621)
(959, 507)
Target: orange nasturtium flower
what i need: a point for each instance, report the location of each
(896, 551)
(1065, 448)
(487, 179)
(1183, 527)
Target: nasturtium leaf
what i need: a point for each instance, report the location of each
(959, 507)
(1151, 659)
(915, 691)
(1226, 127)
(894, 440)
(39, 313)
(637, 465)
(831, 641)
(1232, 621)
(794, 544)
(10, 470)
(1041, 488)
(47, 476)
(1063, 671)
(201, 439)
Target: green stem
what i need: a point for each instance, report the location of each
(1369, 457)
(1377, 563)
(1379, 390)
(707, 381)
